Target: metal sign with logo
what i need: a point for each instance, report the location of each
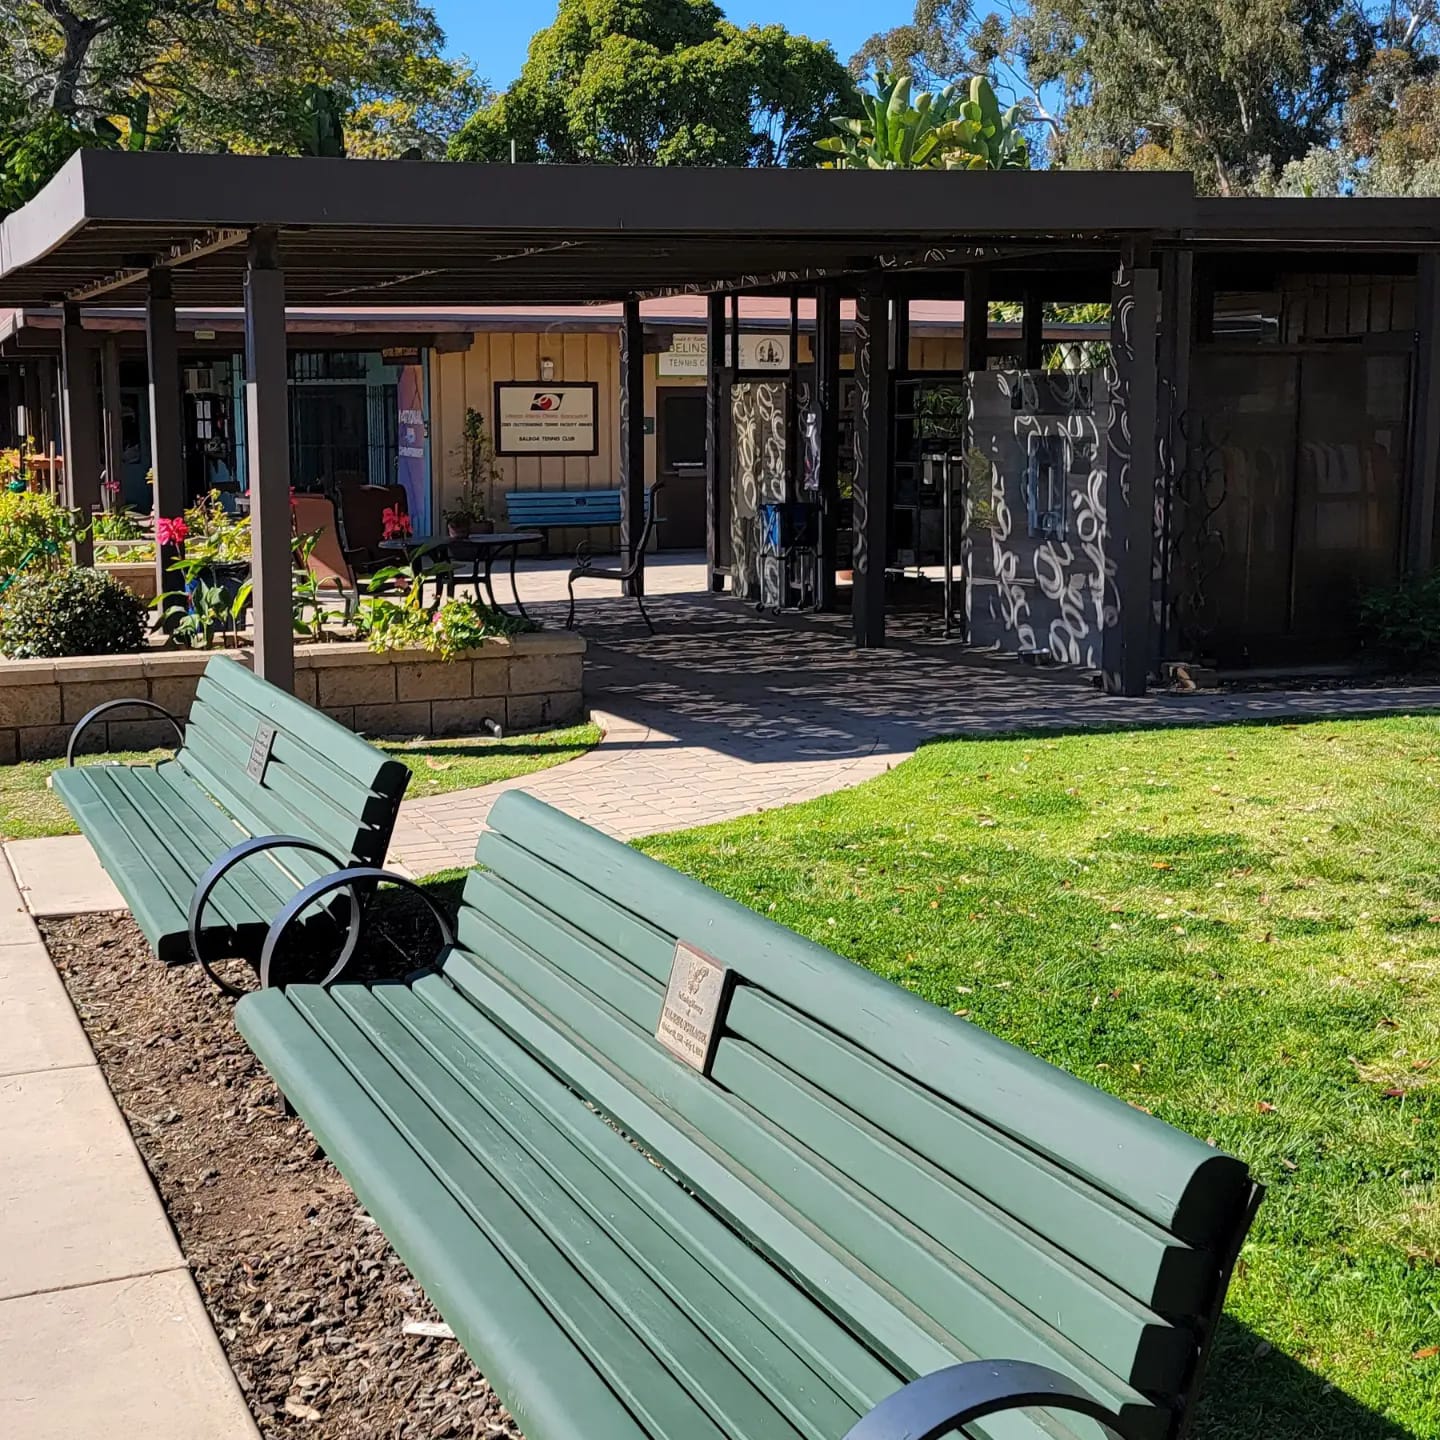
(260, 749)
(693, 1012)
(687, 354)
(546, 418)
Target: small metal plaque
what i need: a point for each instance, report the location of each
(260, 751)
(694, 1009)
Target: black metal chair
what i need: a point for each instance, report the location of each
(585, 566)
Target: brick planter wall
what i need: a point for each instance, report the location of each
(137, 576)
(526, 682)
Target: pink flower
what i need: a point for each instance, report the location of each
(171, 532)
(396, 522)
(110, 487)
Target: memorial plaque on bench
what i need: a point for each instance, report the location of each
(260, 749)
(693, 1012)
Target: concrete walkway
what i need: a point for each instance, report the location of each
(102, 1331)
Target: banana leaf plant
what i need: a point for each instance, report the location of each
(952, 129)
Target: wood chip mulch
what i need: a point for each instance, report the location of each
(308, 1298)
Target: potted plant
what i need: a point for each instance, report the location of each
(468, 513)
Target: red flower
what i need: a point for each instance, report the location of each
(396, 522)
(171, 532)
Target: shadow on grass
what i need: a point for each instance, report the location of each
(1254, 1392)
(491, 750)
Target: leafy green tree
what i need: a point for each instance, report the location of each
(952, 129)
(661, 82)
(366, 77)
(1226, 88)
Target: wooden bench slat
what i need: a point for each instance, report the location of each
(1124, 1246)
(239, 898)
(529, 1358)
(641, 1378)
(784, 1343)
(292, 771)
(331, 745)
(685, 1350)
(1041, 1275)
(1017, 1257)
(1175, 1180)
(153, 859)
(285, 801)
(897, 1331)
(1127, 1248)
(960, 1301)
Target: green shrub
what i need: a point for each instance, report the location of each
(69, 612)
(34, 532)
(1402, 622)
(121, 524)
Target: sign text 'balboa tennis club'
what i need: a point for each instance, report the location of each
(693, 1012)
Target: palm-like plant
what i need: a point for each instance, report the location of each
(951, 129)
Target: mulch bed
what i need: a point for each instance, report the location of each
(308, 1298)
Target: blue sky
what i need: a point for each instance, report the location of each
(495, 33)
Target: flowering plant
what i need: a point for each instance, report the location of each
(396, 522)
(170, 531)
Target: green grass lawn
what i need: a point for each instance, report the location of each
(1237, 929)
(28, 808)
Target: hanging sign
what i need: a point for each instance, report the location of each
(545, 419)
(687, 354)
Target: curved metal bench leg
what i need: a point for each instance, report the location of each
(941, 1402)
(644, 614)
(570, 618)
(257, 844)
(90, 716)
(340, 880)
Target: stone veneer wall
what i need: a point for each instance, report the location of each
(525, 682)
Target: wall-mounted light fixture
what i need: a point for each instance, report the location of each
(547, 368)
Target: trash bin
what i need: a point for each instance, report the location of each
(789, 539)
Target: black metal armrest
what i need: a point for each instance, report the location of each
(340, 880)
(90, 716)
(256, 845)
(938, 1403)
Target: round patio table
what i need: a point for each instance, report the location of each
(481, 550)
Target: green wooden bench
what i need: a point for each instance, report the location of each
(857, 1189)
(265, 795)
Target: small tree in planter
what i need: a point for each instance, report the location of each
(468, 514)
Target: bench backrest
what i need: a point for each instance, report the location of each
(946, 1194)
(319, 780)
(544, 508)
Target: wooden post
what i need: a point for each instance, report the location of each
(1177, 299)
(632, 441)
(267, 460)
(977, 319)
(1130, 479)
(872, 463)
(717, 436)
(827, 396)
(166, 457)
(80, 409)
(1424, 466)
(112, 429)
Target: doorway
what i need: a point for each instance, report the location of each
(680, 463)
(1305, 451)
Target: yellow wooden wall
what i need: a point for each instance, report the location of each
(467, 378)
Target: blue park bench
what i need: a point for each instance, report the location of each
(563, 509)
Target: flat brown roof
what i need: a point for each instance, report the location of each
(362, 233)
(359, 233)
